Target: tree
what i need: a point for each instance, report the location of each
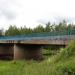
(61, 26)
(39, 29)
(49, 27)
(12, 31)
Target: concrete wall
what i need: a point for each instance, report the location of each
(6, 51)
(19, 52)
(38, 41)
(27, 52)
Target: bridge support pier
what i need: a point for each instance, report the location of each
(28, 52)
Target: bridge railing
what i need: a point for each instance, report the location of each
(47, 35)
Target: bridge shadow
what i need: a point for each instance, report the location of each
(6, 51)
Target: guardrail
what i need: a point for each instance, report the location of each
(44, 35)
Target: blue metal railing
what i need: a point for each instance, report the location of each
(45, 35)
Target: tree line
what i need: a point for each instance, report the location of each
(61, 27)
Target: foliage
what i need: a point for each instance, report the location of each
(60, 28)
(39, 29)
(68, 52)
(13, 30)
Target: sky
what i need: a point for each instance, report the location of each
(30, 13)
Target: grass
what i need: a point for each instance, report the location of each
(61, 64)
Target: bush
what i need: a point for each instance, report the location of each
(67, 52)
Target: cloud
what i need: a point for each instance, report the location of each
(8, 9)
(33, 12)
(56, 19)
(68, 19)
(8, 14)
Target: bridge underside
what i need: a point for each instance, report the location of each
(30, 49)
(20, 51)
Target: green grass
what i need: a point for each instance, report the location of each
(61, 64)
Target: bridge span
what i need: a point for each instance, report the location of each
(29, 47)
(44, 40)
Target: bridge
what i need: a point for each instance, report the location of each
(30, 46)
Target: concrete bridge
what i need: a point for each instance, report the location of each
(29, 47)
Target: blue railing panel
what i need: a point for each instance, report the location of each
(44, 35)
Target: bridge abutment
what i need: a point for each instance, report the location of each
(27, 52)
(6, 51)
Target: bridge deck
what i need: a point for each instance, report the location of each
(63, 39)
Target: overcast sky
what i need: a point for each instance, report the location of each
(33, 12)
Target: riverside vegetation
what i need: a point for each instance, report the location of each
(63, 63)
